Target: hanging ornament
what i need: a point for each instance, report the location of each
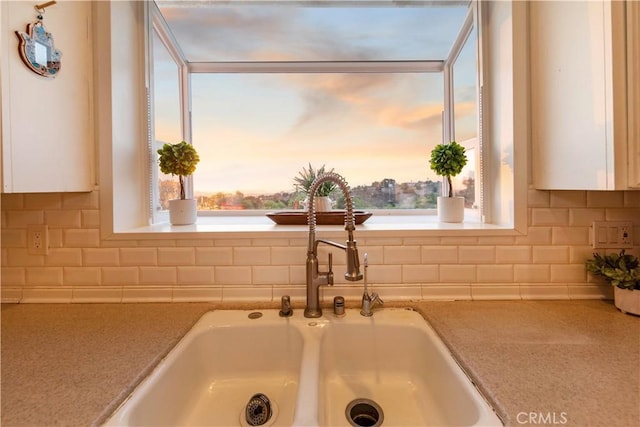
(36, 46)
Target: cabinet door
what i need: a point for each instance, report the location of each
(573, 67)
(47, 123)
(633, 91)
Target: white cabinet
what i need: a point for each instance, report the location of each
(47, 123)
(579, 92)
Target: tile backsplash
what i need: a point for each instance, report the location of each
(546, 263)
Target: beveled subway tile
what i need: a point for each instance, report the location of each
(420, 273)
(531, 273)
(513, 254)
(213, 256)
(251, 256)
(120, 276)
(590, 291)
(89, 200)
(584, 217)
(568, 199)
(570, 273)
(81, 237)
(538, 198)
(402, 254)
(13, 276)
(439, 254)
(47, 295)
(231, 275)
(398, 292)
(44, 276)
(10, 294)
(192, 275)
(535, 236)
(477, 254)
(81, 276)
(495, 291)
(20, 257)
(138, 256)
(158, 275)
(64, 257)
(605, 199)
(43, 201)
(549, 216)
(63, 219)
(544, 291)
(383, 273)
(14, 238)
(190, 293)
(247, 293)
(297, 293)
(100, 257)
(457, 273)
(495, 273)
(550, 254)
(23, 218)
(270, 275)
(570, 235)
(176, 256)
(97, 295)
(459, 292)
(147, 294)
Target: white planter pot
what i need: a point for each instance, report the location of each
(323, 204)
(451, 209)
(183, 212)
(627, 300)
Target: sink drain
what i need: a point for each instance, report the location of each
(364, 413)
(258, 410)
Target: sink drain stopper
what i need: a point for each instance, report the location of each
(364, 413)
(258, 410)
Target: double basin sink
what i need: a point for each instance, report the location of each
(245, 368)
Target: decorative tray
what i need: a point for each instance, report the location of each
(322, 218)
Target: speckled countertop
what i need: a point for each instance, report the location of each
(538, 362)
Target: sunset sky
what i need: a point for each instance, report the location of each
(254, 132)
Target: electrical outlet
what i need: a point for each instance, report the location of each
(612, 234)
(38, 239)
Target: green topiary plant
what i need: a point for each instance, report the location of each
(306, 177)
(448, 160)
(619, 270)
(178, 159)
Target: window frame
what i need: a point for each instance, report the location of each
(444, 66)
(122, 99)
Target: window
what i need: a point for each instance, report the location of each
(123, 98)
(367, 89)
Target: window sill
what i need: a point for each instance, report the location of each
(259, 226)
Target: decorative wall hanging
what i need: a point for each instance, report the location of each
(36, 46)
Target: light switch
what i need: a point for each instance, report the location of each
(612, 234)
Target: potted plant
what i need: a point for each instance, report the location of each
(180, 159)
(447, 160)
(306, 177)
(623, 272)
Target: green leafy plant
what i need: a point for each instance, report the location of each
(306, 177)
(619, 270)
(448, 160)
(178, 159)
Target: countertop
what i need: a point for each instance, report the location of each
(573, 363)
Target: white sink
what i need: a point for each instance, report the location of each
(310, 370)
(397, 361)
(209, 377)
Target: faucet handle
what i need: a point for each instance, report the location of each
(375, 298)
(330, 272)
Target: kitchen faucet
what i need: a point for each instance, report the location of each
(315, 278)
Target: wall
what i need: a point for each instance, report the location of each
(546, 263)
